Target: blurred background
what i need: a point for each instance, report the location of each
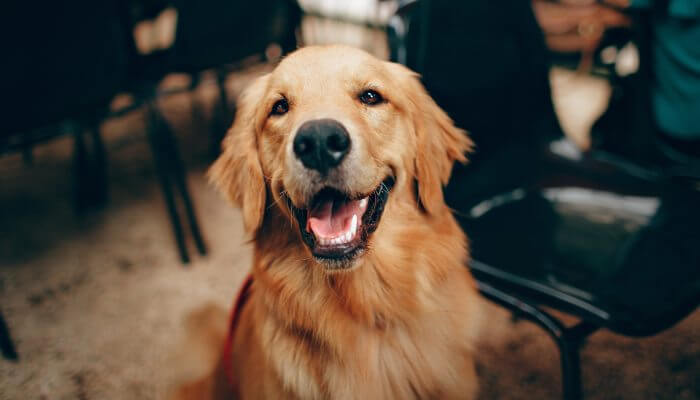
(581, 200)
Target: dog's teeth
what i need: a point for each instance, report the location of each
(363, 203)
(343, 238)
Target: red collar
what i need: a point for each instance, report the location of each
(243, 296)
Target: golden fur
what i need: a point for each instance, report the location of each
(400, 323)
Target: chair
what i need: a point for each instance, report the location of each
(49, 55)
(86, 50)
(588, 238)
(209, 34)
(597, 237)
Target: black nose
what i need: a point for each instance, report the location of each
(321, 144)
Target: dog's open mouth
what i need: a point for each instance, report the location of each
(336, 227)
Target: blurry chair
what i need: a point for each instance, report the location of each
(601, 239)
(68, 61)
(587, 237)
(216, 34)
(211, 34)
(62, 66)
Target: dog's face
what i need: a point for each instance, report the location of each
(330, 137)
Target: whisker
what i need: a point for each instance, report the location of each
(284, 194)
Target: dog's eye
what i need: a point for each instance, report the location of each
(280, 107)
(371, 97)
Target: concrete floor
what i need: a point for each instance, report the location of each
(96, 302)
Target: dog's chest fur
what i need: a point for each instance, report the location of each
(398, 326)
(394, 367)
(421, 354)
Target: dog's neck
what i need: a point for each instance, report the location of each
(383, 288)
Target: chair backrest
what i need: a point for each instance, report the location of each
(62, 59)
(486, 64)
(215, 32)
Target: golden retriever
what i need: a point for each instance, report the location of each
(359, 283)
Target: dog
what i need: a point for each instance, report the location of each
(359, 287)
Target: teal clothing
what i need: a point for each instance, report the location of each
(676, 67)
(676, 8)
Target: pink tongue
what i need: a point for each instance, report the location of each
(330, 218)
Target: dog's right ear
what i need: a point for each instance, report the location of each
(237, 172)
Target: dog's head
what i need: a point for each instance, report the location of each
(333, 137)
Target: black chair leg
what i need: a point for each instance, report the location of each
(178, 174)
(189, 212)
(159, 148)
(568, 340)
(221, 75)
(222, 115)
(80, 170)
(570, 365)
(100, 176)
(198, 116)
(8, 348)
(90, 168)
(171, 174)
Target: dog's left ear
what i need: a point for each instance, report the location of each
(237, 172)
(439, 143)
